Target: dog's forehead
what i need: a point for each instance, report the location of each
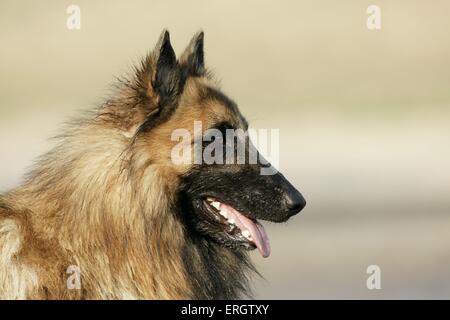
(214, 105)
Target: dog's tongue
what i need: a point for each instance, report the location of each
(257, 232)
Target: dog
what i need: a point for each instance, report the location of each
(110, 207)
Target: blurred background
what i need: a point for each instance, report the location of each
(364, 119)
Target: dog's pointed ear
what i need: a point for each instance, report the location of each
(192, 60)
(166, 79)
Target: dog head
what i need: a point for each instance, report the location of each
(221, 200)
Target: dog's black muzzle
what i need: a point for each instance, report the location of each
(286, 197)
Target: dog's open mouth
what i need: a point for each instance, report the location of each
(240, 226)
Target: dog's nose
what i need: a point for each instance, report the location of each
(294, 201)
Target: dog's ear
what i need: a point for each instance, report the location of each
(166, 79)
(192, 60)
(159, 83)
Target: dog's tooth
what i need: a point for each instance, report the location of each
(231, 220)
(246, 234)
(216, 204)
(224, 213)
